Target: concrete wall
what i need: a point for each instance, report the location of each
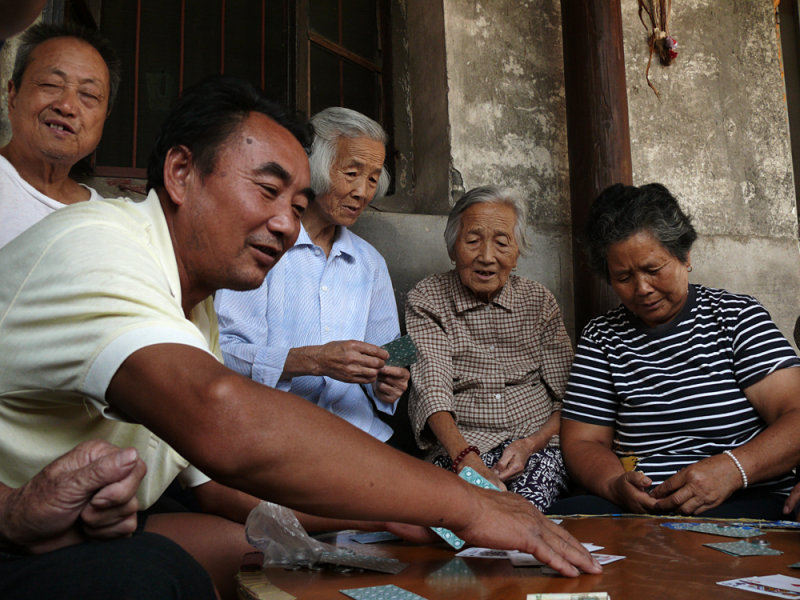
(719, 139)
(506, 125)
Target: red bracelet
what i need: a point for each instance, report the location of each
(462, 455)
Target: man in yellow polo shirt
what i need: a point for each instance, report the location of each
(105, 311)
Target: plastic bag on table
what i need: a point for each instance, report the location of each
(277, 533)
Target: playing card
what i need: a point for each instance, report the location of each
(570, 596)
(469, 475)
(738, 531)
(745, 548)
(381, 592)
(477, 552)
(523, 559)
(402, 352)
(769, 585)
(607, 559)
(374, 537)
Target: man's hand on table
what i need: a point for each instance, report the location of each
(507, 521)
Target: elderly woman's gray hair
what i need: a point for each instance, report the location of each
(493, 195)
(331, 124)
(620, 211)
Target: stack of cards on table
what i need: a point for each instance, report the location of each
(737, 531)
(745, 548)
(381, 592)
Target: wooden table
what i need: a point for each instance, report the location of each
(660, 563)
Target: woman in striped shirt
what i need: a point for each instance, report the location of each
(682, 399)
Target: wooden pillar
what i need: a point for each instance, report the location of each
(597, 129)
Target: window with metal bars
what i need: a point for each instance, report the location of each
(307, 54)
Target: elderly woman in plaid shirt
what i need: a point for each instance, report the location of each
(494, 355)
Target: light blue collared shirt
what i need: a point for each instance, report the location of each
(308, 299)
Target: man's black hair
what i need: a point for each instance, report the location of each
(207, 114)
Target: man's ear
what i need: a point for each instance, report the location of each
(178, 171)
(12, 94)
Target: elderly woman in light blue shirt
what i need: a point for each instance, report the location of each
(315, 326)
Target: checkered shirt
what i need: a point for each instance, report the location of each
(500, 368)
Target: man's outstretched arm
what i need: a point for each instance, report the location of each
(277, 446)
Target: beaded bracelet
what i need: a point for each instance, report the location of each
(738, 466)
(462, 455)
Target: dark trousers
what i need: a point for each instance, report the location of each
(145, 566)
(745, 504)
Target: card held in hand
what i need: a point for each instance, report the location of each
(402, 352)
(468, 474)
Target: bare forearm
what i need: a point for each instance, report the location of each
(446, 431)
(773, 452)
(279, 447)
(592, 466)
(217, 499)
(541, 438)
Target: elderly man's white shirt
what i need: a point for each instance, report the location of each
(82, 291)
(309, 299)
(22, 205)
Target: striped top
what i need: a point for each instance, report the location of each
(673, 393)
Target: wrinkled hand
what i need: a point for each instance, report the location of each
(514, 458)
(509, 522)
(474, 461)
(87, 493)
(698, 487)
(630, 490)
(791, 502)
(350, 361)
(391, 383)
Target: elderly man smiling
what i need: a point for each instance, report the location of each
(313, 328)
(59, 96)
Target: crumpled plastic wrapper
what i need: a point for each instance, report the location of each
(277, 533)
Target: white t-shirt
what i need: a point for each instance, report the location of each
(22, 205)
(82, 291)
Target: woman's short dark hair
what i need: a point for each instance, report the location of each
(623, 210)
(42, 32)
(206, 115)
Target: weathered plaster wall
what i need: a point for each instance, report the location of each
(719, 139)
(506, 100)
(506, 123)
(7, 54)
